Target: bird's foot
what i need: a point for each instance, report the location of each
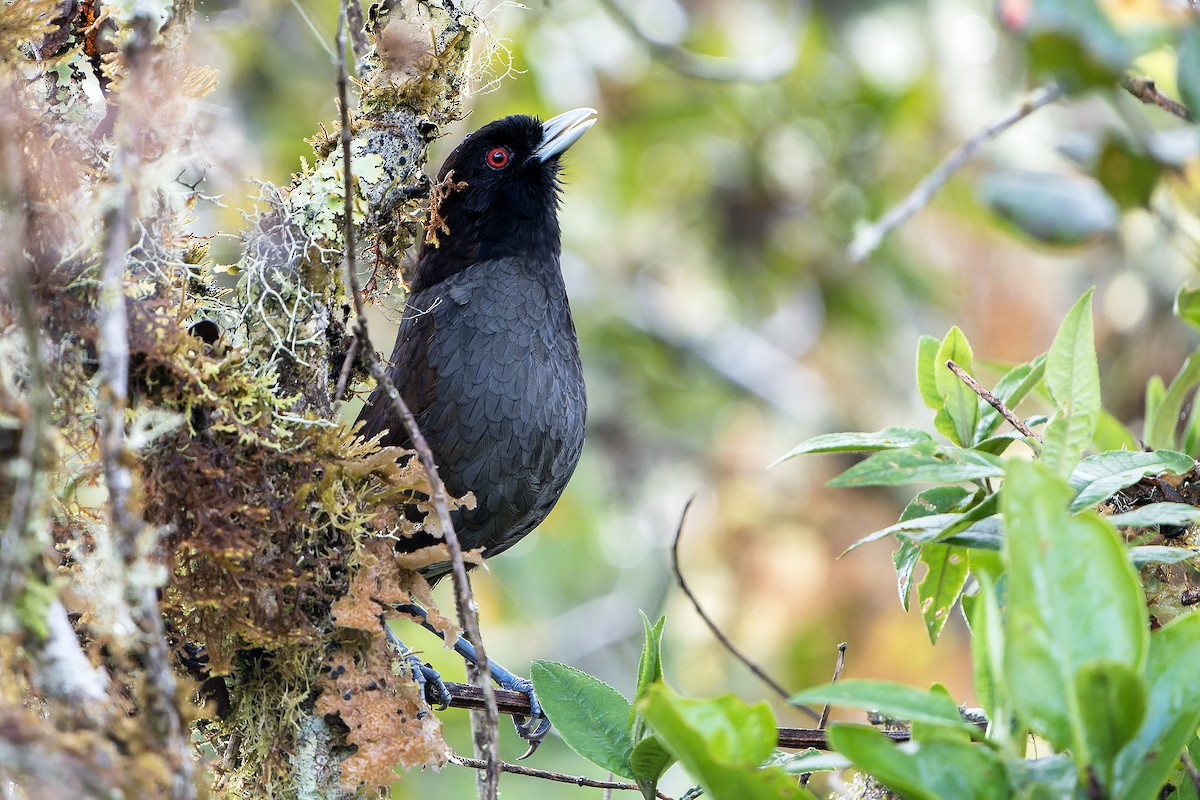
(534, 727)
(433, 688)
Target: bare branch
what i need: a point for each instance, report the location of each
(486, 725)
(712, 626)
(869, 238)
(1144, 89)
(993, 401)
(559, 777)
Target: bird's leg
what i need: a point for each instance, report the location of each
(433, 688)
(532, 728)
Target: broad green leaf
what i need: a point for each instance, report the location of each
(1156, 390)
(893, 699)
(960, 408)
(1145, 554)
(1073, 380)
(1161, 427)
(1055, 209)
(1157, 514)
(886, 439)
(591, 716)
(1048, 778)
(1187, 299)
(1172, 710)
(937, 770)
(1073, 598)
(986, 534)
(1097, 477)
(927, 369)
(920, 530)
(1189, 67)
(1128, 173)
(649, 760)
(943, 583)
(1010, 390)
(1112, 705)
(921, 463)
(987, 652)
(722, 743)
(1111, 434)
(1073, 42)
(937, 500)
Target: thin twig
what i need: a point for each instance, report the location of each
(1144, 89)
(16, 547)
(773, 65)
(1190, 767)
(712, 626)
(486, 727)
(993, 401)
(837, 673)
(464, 695)
(578, 780)
(869, 238)
(113, 397)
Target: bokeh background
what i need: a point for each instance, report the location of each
(705, 226)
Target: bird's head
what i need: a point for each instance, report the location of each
(497, 194)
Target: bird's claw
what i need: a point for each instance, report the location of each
(433, 688)
(534, 727)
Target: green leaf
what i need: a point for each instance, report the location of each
(937, 500)
(1009, 390)
(1129, 174)
(1111, 434)
(937, 770)
(1189, 67)
(927, 370)
(721, 743)
(591, 716)
(1180, 514)
(941, 586)
(649, 760)
(960, 407)
(1145, 554)
(987, 652)
(1073, 380)
(922, 529)
(1187, 299)
(922, 463)
(1055, 209)
(1073, 598)
(1074, 42)
(1097, 477)
(886, 439)
(815, 761)
(650, 664)
(1162, 424)
(1112, 705)
(893, 699)
(1172, 710)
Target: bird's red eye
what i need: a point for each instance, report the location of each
(497, 157)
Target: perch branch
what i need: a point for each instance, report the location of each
(869, 238)
(464, 695)
(486, 727)
(1144, 89)
(993, 401)
(712, 626)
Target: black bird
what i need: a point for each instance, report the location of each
(486, 356)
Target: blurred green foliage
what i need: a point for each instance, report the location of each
(705, 232)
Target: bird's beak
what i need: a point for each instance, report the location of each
(559, 133)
